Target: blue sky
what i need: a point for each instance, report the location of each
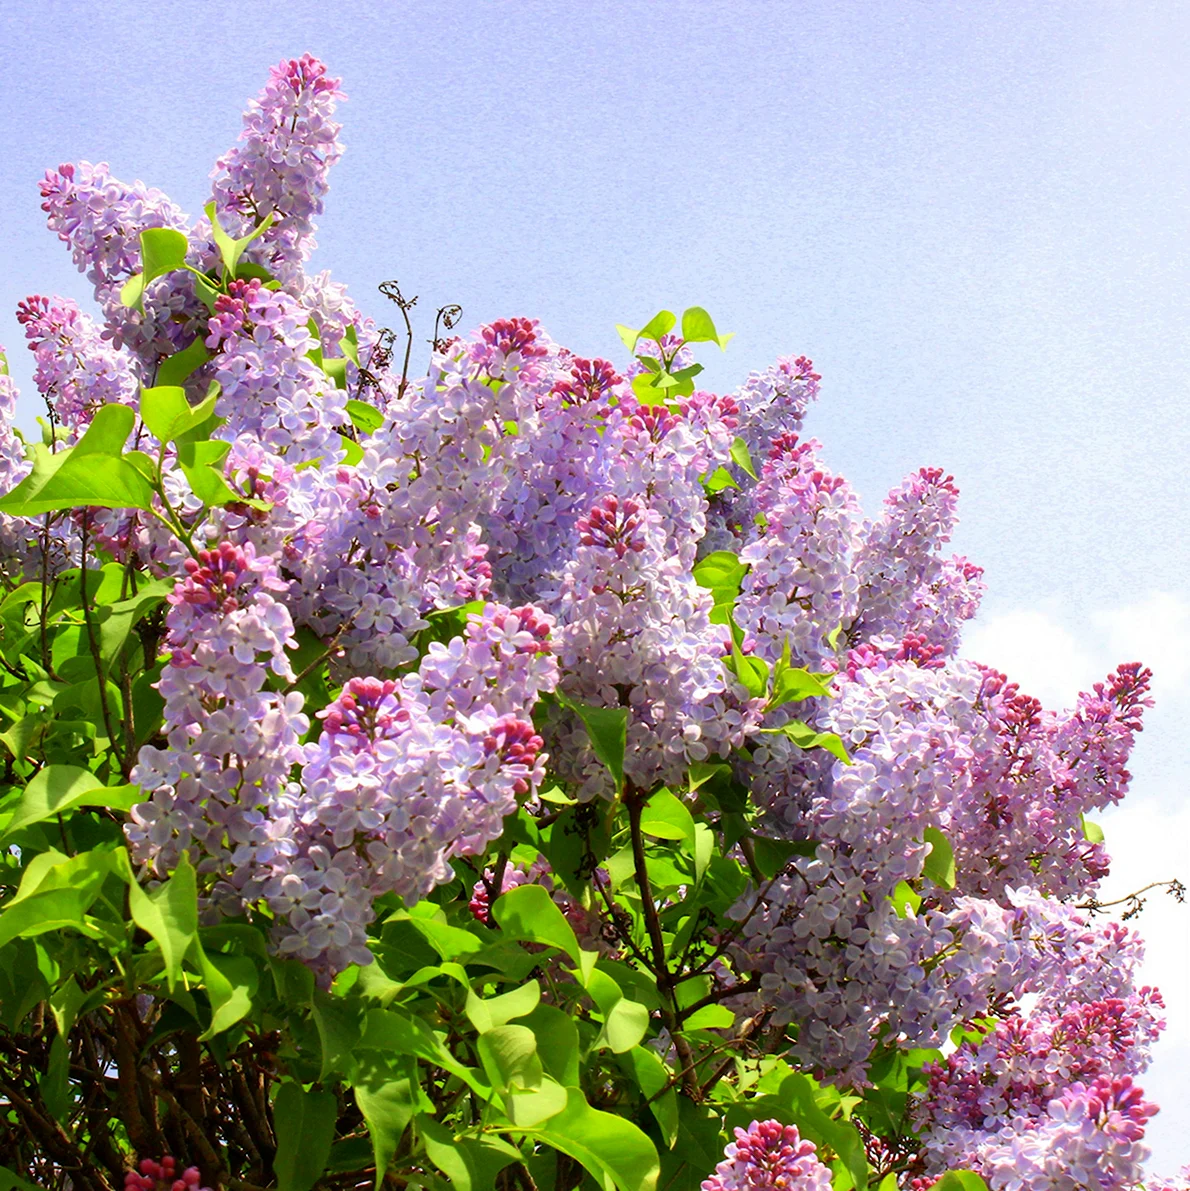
(972, 216)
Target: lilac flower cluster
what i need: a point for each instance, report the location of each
(270, 389)
(101, 220)
(404, 776)
(932, 749)
(19, 550)
(769, 1156)
(1087, 1137)
(77, 370)
(287, 147)
(231, 742)
(1003, 1083)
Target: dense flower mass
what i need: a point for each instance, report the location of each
(412, 632)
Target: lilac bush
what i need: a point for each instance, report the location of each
(533, 773)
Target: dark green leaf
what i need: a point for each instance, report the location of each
(387, 1106)
(653, 1075)
(557, 1043)
(470, 1163)
(305, 1127)
(797, 1091)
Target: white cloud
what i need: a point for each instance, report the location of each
(1033, 649)
(1038, 650)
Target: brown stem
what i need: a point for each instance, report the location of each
(713, 998)
(634, 801)
(144, 1140)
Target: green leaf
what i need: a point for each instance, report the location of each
(939, 865)
(89, 474)
(704, 850)
(665, 816)
(652, 1075)
(305, 1127)
(488, 1013)
(659, 325)
(805, 737)
(752, 672)
(628, 336)
(388, 1106)
(59, 788)
(108, 432)
(231, 982)
(710, 1017)
(557, 1043)
(11, 1181)
(718, 480)
(117, 620)
(55, 909)
(722, 574)
(960, 1180)
(168, 414)
(1092, 832)
(625, 1022)
(906, 901)
(162, 250)
(798, 1091)
(395, 1031)
(170, 915)
(742, 458)
(176, 368)
(648, 389)
(773, 855)
(54, 1084)
(68, 998)
(231, 250)
(529, 914)
(615, 1152)
(202, 464)
(470, 1163)
(353, 453)
(607, 728)
(367, 419)
(697, 327)
(509, 1056)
